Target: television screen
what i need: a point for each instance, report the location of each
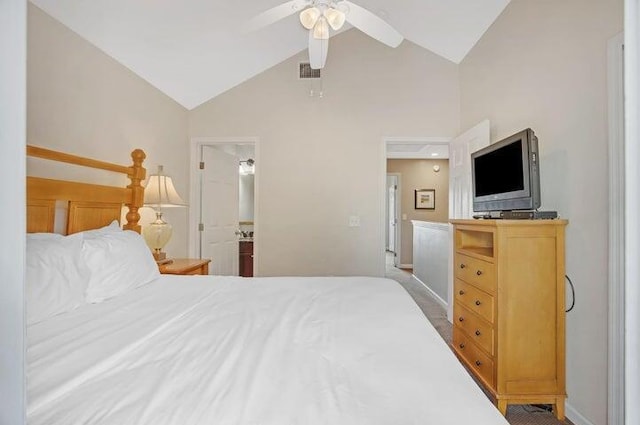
(499, 171)
(505, 174)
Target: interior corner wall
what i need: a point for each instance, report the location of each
(419, 174)
(13, 51)
(321, 160)
(81, 101)
(543, 64)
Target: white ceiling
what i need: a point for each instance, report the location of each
(193, 50)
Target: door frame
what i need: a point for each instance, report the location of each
(194, 188)
(398, 207)
(616, 360)
(632, 204)
(382, 182)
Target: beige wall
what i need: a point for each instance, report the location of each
(419, 174)
(322, 160)
(81, 101)
(542, 65)
(13, 51)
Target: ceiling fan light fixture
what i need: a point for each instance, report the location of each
(335, 18)
(309, 17)
(321, 30)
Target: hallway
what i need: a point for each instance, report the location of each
(436, 314)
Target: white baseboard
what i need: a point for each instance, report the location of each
(405, 266)
(574, 416)
(440, 301)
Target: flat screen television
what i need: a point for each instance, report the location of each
(506, 174)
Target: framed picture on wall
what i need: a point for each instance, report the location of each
(425, 199)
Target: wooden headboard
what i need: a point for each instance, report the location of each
(89, 206)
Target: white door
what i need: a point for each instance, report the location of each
(460, 185)
(219, 193)
(460, 150)
(392, 218)
(393, 212)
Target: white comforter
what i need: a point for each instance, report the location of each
(263, 351)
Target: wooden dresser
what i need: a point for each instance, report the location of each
(508, 311)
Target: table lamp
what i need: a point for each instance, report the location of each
(159, 193)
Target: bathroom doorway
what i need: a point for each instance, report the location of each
(223, 213)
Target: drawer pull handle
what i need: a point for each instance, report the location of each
(462, 266)
(461, 319)
(478, 363)
(461, 346)
(461, 292)
(478, 302)
(479, 272)
(477, 332)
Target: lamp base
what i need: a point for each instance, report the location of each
(164, 262)
(159, 255)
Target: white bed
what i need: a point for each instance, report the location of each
(222, 350)
(112, 342)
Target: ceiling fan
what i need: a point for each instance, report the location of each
(318, 15)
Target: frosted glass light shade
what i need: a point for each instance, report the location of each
(321, 30)
(335, 18)
(157, 234)
(160, 192)
(309, 17)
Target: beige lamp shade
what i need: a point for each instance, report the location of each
(160, 193)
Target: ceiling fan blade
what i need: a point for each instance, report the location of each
(372, 25)
(318, 50)
(273, 15)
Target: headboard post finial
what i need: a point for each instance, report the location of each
(136, 174)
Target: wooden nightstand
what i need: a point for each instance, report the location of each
(186, 266)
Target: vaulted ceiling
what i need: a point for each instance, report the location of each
(193, 50)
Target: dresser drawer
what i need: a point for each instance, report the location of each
(474, 299)
(481, 363)
(477, 272)
(476, 329)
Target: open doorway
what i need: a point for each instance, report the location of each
(246, 213)
(412, 164)
(222, 214)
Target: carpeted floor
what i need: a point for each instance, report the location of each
(516, 415)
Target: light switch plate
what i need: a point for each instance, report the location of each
(354, 221)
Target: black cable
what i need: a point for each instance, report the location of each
(573, 294)
(537, 408)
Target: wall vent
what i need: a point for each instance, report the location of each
(305, 72)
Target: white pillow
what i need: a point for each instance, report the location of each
(56, 277)
(118, 261)
(114, 227)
